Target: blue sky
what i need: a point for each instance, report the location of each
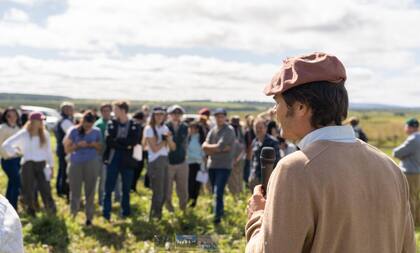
(219, 50)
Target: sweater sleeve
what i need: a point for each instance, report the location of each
(14, 144)
(405, 149)
(287, 224)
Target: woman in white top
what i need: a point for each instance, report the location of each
(33, 143)
(10, 164)
(159, 140)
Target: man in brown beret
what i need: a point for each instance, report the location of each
(337, 194)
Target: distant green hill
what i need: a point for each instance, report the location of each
(191, 106)
(31, 97)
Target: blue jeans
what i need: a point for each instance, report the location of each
(218, 180)
(12, 167)
(61, 184)
(112, 171)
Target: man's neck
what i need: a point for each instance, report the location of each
(123, 119)
(413, 132)
(261, 138)
(175, 123)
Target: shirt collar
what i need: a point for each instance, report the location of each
(329, 133)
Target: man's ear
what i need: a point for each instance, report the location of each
(301, 109)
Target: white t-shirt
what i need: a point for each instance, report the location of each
(160, 130)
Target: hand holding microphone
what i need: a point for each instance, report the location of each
(267, 159)
(257, 200)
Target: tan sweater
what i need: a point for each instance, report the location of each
(334, 197)
(5, 132)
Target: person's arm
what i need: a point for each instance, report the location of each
(279, 223)
(224, 145)
(13, 145)
(66, 125)
(97, 144)
(405, 149)
(69, 146)
(209, 149)
(153, 145)
(170, 142)
(151, 140)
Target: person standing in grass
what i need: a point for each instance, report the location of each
(159, 141)
(101, 123)
(262, 140)
(178, 167)
(219, 146)
(195, 160)
(10, 165)
(83, 142)
(409, 154)
(33, 143)
(337, 193)
(121, 136)
(249, 137)
(235, 184)
(63, 125)
(140, 120)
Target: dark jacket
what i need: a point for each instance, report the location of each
(60, 134)
(257, 147)
(180, 138)
(124, 145)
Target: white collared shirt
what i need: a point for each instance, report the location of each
(29, 147)
(329, 133)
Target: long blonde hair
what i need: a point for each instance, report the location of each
(29, 126)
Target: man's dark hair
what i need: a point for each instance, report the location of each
(105, 105)
(123, 105)
(329, 102)
(139, 115)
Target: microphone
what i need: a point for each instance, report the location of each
(267, 159)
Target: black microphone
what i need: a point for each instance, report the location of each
(267, 159)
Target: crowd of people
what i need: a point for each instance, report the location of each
(336, 194)
(103, 154)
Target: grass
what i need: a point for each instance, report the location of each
(62, 233)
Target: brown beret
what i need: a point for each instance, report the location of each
(300, 70)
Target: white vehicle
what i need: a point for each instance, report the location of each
(51, 115)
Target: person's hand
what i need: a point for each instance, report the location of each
(257, 201)
(82, 144)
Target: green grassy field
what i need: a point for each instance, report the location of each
(62, 233)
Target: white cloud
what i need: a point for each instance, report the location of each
(15, 15)
(158, 77)
(30, 2)
(375, 40)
